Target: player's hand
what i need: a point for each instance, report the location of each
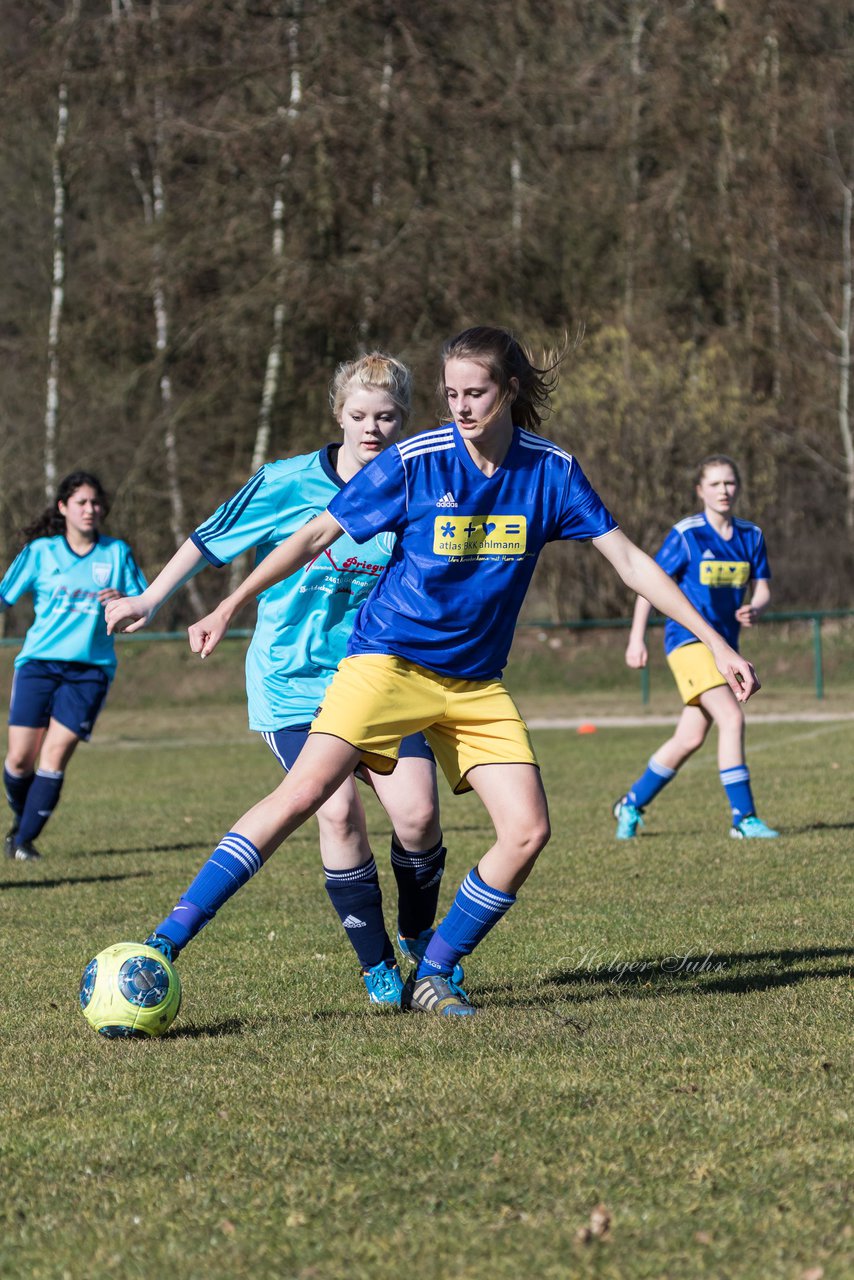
(637, 654)
(108, 593)
(205, 635)
(126, 613)
(747, 615)
(738, 673)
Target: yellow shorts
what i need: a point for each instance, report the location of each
(375, 699)
(694, 671)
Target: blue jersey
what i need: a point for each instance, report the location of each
(303, 622)
(69, 625)
(713, 573)
(467, 544)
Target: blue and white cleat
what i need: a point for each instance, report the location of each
(628, 817)
(384, 983)
(752, 828)
(164, 945)
(436, 995)
(414, 948)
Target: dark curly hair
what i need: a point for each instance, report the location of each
(52, 521)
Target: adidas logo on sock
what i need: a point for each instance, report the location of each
(437, 877)
(447, 501)
(353, 922)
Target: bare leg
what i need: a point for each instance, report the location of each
(410, 797)
(319, 770)
(721, 706)
(689, 735)
(514, 798)
(23, 748)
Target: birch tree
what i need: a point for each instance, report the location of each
(150, 188)
(57, 296)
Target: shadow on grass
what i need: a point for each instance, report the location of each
(242, 1026)
(60, 882)
(710, 974)
(148, 848)
(817, 826)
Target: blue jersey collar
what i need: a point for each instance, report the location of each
(327, 455)
(466, 459)
(78, 555)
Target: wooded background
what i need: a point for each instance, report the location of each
(207, 205)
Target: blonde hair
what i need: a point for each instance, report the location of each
(375, 371)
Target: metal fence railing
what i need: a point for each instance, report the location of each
(814, 616)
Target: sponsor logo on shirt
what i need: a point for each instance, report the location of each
(480, 535)
(724, 573)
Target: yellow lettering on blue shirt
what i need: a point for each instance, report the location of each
(480, 535)
(724, 573)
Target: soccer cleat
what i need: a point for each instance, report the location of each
(9, 842)
(414, 948)
(628, 817)
(26, 852)
(384, 983)
(436, 995)
(752, 828)
(164, 945)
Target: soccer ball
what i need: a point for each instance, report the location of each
(130, 990)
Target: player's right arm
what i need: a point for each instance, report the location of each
(301, 547)
(637, 654)
(131, 613)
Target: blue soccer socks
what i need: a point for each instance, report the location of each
(476, 909)
(17, 785)
(234, 861)
(654, 779)
(419, 879)
(736, 784)
(42, 799)
(356, 896)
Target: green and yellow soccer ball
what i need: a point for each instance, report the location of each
(130, 990)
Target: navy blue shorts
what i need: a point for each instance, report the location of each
(70, 692)
(286, 744)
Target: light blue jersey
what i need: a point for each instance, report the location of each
(69, 625)
(467, 544)
(305, 621)
(713, 572)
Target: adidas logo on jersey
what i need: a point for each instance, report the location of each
(707, 555)
(353, 922)
(448, 501)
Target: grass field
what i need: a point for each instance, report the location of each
(664, 1031)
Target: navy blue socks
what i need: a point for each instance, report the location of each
(42, 799)
(17, 786)
(419, 879)
(358, 900)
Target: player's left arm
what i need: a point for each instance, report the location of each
(303, 545)
(748, 614)
(641, 574)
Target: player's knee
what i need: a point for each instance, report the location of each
(730, 717)
(693, 739)
(533, 837)
(305, 797)
(19, 762)
(418, 827)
